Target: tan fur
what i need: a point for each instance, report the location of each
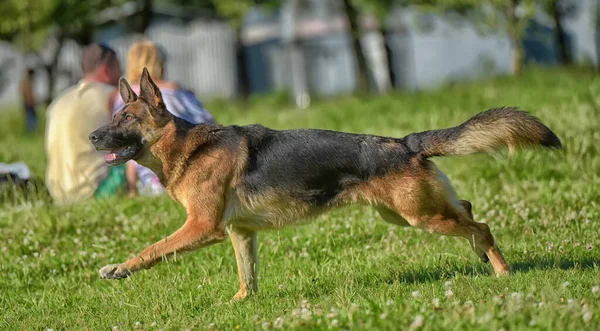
(491, 130)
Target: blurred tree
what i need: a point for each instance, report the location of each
(516, 12)
(559, 10)
(377, 9)
(30, 24)
(353, 17)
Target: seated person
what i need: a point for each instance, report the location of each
(75, 170)
(179, 101)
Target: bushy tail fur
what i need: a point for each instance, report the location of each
(485, 132)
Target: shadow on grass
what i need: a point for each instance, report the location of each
(550, 263)
(546, 263)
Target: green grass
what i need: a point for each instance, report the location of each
(348, 269)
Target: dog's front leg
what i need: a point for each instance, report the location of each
(245, 246)
(194, 234)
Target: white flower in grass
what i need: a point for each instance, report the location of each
(417, 323)
(596, 289)
(383, 315)
(436, 302)
(305, 313)
(449, 293)
(448, 284)
(278, 323)
(587, 316)
(265, 325)
(304, 252)
(137, 325)
(389, 302)
(566, 284)
(334, 322)
(153, 324)
(486, 318)
(416, 294)
(295, 312)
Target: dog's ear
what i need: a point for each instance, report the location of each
(150, 93)
(127, 93)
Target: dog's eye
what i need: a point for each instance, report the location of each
(128, 118)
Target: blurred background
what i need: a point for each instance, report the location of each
(305, 48)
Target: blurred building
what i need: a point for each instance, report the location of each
(309, 48)
(201, 49)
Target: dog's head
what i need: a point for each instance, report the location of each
(136, 127)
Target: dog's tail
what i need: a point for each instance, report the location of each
(485, 132)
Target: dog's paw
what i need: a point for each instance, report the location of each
(113, 271)
(241, 295)
(504, 272)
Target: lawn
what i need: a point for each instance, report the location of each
(347, 269)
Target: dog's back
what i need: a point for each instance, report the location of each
(316, 165)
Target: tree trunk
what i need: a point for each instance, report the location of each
(145, 18)
(515, 35)
(363, 75)
(387, 83)
(243, 80)
(597, 36)
(52, 69)
(517, 57)
(561, 37)
(298, 80)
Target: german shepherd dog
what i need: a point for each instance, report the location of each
(236, 180)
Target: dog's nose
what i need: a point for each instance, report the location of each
(93, 137)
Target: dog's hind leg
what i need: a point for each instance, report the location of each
(466, 205)
(433, 206)
(192, 235)
(392, 217)
(246, 254)
(424, 198)
(452, 223)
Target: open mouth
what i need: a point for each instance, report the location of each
(121, 155)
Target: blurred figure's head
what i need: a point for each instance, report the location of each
(100, 63)
(145, 54)
(30, 73)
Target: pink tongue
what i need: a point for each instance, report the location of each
(110, 156)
